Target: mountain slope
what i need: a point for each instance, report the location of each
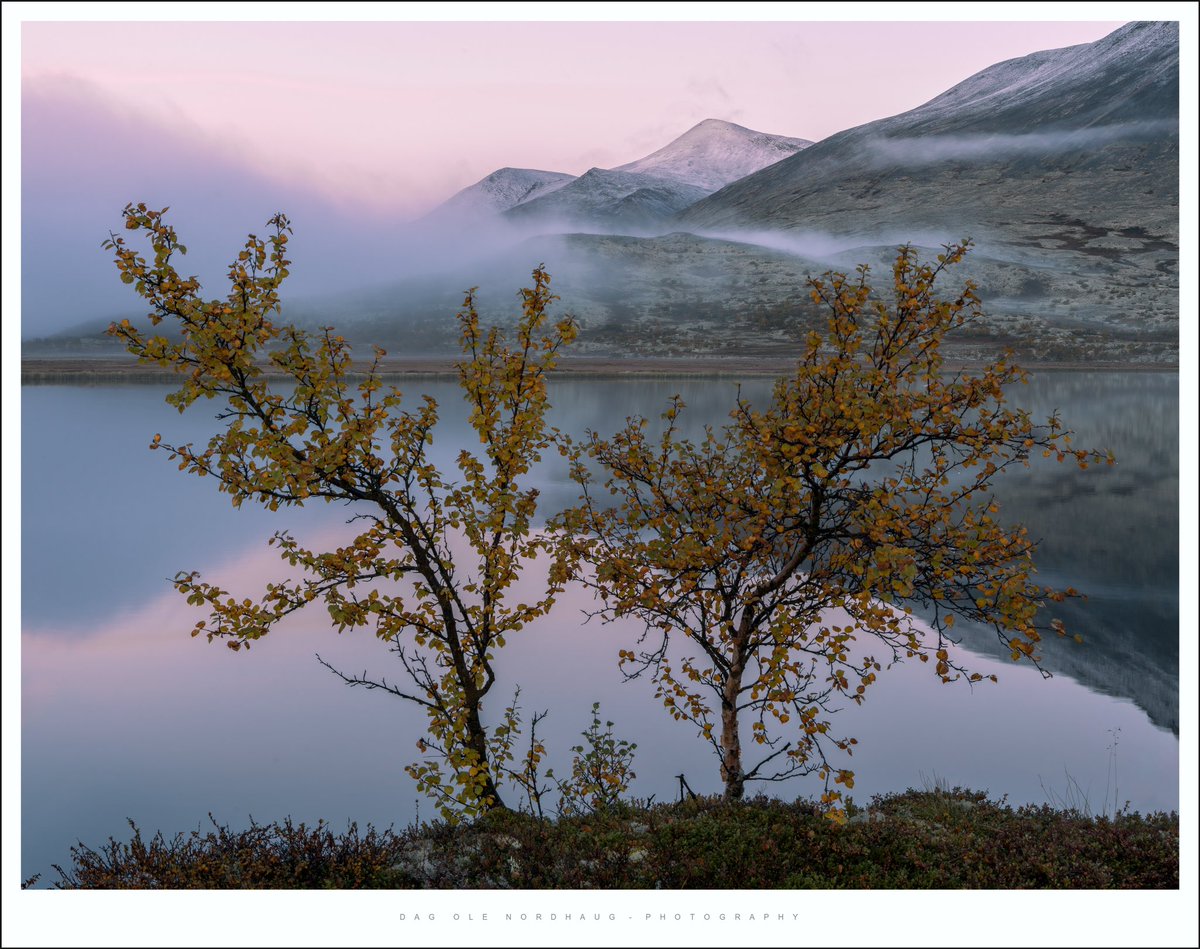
(503, 189)
(1086, 133)
(1131, 75)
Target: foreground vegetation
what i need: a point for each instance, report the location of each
(917, 839)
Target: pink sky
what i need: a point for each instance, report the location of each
(400, 115)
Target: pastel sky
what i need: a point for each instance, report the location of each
(397, 116)
(356, 128)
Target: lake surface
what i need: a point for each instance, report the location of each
(126, 716)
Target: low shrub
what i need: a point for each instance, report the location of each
(939, 839)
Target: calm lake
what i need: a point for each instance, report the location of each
(126, 716)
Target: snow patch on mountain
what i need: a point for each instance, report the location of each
(503, 189)
(714, 153)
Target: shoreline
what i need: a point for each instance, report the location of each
(105, 369)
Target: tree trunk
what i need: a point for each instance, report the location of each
(477, 742)
(731, 739)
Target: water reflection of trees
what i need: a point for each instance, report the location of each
(1112, 532)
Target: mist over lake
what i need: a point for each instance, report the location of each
(126, 716)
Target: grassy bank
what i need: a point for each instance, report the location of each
(917, 839)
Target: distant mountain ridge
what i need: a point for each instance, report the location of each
(637, 195)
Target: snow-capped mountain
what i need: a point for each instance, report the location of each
(714, 153)
(503, 189)
(636, 196)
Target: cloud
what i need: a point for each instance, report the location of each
(930, 149)
(84, 158)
